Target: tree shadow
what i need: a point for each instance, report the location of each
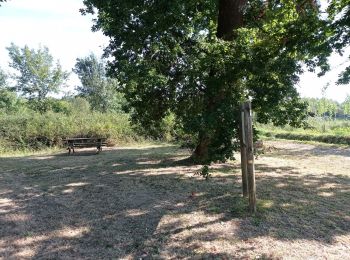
(300, 206)
(135, 203)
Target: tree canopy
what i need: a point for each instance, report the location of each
(200, 59)
(37, 75)
(100, 90)
(339, 11)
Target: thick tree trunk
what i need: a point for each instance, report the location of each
(230, 17)
(201, 154)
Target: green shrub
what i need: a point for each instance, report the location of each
(33, 130)
(320, 130)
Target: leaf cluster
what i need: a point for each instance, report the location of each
(339, 11)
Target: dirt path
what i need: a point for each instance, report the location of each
(147, 202)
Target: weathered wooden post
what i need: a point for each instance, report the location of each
(243, 146)
(247, 138)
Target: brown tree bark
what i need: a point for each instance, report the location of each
(201, 154)
(230, 17)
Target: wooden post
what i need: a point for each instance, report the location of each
(243, 146)
(248, 140)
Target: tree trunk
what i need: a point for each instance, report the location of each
(230, 17)
(201, 153)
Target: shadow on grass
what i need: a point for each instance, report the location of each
(295, 206)
(134, 202)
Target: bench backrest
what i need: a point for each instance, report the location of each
(87, 141)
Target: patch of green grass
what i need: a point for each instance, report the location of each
(325, 131)
(240, 207)
(214, 209)
(30, 152)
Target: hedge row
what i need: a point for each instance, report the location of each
(331, 139)
(36, 131)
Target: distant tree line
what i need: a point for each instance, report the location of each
(36, 77)
(328, 108)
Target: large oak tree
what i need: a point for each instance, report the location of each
(200, 59)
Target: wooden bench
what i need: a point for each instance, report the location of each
(73, 143)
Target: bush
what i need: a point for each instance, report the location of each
(33, 130)
(327, 131)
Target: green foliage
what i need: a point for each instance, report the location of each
(339, 11)
(37, 76)
(79, 105)
(97, 88)
(344, 77)
(327, 108)
(50, 104)
(330, 139)
(320, 130)
(59, 106)
(166, 130)
(183, 65)
(346, 106)
(10, 103)
(205, 172)
(32, 130)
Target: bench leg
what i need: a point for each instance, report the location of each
(70, 150)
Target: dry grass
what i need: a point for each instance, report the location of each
(147, 202)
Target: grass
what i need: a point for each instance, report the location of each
(320, 130)
(29, 152)
(146, 201)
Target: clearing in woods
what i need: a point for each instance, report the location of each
(147, 202)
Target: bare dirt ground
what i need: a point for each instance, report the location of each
(148, 203)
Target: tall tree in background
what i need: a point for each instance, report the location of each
(346, 106)
(97, 88)
(199, 59)
(37, 75)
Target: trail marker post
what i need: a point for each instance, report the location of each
(247, 155)
(243, 146)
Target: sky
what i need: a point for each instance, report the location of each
(58, 25)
